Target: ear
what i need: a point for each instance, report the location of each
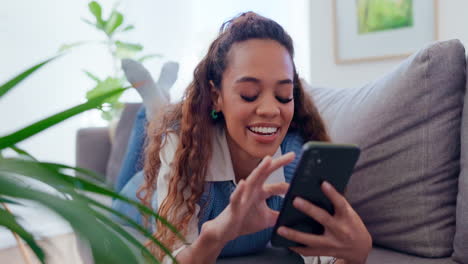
(216, 97)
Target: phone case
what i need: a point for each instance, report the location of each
(320, 161)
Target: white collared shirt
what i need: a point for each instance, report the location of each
(220, 168)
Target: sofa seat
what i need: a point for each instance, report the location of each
(384, 256)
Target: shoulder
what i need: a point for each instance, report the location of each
(168, 146)
(293, 141)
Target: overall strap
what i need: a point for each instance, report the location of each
(216, 197)
(293, 141)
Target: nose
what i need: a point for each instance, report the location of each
(268, 107)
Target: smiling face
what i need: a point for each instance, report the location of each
(256, 97)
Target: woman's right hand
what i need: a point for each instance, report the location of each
(248, 211)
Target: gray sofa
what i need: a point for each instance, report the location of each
(410, 185)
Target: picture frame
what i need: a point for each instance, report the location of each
(356, 39)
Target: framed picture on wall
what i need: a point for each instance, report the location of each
(369, 30)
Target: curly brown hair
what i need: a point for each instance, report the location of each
(190, 120)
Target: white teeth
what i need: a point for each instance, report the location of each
(264, 130)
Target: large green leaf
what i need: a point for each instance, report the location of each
(106, 244)
(135, 225)
(110, 111)
(96, 10)
(127, 236)
(20, 77)
(61, 167)
(128, 28)
(92, 76)
(88, 22)
(130, 46)
(34, 170)
(66, 183)
(127, 50)
(41, 125)
(8, 201)
(66, 47)
(114, 21)
(45, 173)
(103, 87)
(9, 221)
(23, 153)
(77, 171)
(149, 56)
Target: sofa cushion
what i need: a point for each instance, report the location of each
(385, 256)
(460, 244)
(267, 256)
(407, 124)
(93, 140)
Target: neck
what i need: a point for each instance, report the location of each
(242, 163)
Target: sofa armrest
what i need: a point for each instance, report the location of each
(93, 148)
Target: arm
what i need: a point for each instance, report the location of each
(205, 249)
(246, 213)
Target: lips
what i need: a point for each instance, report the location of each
(263, 130)
(264, 133)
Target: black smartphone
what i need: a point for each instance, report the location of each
(319, 162)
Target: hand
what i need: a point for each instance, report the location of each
(345, 235)
(248, 211)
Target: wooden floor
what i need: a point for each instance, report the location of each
(60, 249)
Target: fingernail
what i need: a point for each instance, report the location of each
(326, 185)
(282, 231)
(299, 202)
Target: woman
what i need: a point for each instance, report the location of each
(215, 159)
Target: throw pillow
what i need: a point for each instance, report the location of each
(408, 127)
(460, 244)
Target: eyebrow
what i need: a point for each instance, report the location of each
(255, 80)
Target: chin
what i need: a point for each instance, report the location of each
(262, 151)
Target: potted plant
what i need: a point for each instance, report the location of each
(109, 242)
(111, 29)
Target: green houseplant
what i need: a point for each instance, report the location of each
(111, 29)
(109, 242)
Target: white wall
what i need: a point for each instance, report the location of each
(188, 27)
(179, 29)
(324, 72)
(31, 31)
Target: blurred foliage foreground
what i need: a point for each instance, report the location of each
(90, 220)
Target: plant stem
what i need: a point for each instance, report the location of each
(111, 47)
(22, 248)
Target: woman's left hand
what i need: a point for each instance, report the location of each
(345, 236)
